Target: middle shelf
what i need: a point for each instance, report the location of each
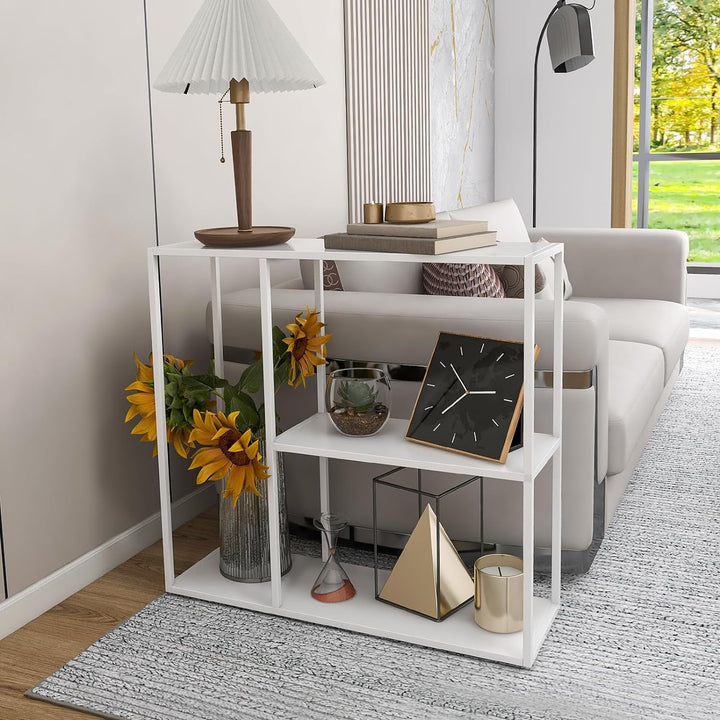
(315, 436)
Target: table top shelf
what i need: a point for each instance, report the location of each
(363, 613)
(316, 436)
(505, 253)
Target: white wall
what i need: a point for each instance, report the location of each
(77, 215)
(574, 120)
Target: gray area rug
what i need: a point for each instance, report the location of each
(637, 637)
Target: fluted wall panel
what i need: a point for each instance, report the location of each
(388, 102)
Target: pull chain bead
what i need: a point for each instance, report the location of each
(222, 149)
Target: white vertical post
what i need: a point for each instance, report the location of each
(271, 458)
(318, 281)
(528, 568)
(161, 425)
(216, 306)
(556, 525)
(320, 307)
(529, 364)
(528, 455)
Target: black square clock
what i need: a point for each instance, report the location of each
(471, 397)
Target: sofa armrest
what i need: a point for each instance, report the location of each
(623, 262)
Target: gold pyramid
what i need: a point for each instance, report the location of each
(413, 581)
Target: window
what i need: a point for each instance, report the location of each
(676, 179)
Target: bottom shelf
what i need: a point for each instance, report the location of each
(457, 633)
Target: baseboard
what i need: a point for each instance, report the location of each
(32, 602)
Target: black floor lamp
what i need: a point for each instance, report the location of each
(570, 42)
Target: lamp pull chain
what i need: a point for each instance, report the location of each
(222, 149)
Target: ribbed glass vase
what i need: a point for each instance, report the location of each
(245, 533)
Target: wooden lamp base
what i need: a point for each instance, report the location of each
(254, 237)
(245, 234)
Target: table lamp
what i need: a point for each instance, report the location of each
(570, 42)
(236, 46)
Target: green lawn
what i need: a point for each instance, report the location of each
(685, 195)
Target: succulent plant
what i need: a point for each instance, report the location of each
(356, 394)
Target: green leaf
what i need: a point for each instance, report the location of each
(244, 404)
(176, 418)
(252, 377)
(279, 347)
(207, 380)
(282, 373)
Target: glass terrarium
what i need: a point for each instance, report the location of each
(357, 400)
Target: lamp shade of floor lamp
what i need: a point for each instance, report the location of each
(238, 46)
(570, 41)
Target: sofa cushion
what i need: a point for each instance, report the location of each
(636, 382)
(502, 216)
(402, 329)
(660, 323)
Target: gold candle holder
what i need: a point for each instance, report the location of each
(373, 213)
(499, 593)
(409, 212)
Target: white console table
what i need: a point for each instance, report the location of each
(289, 596)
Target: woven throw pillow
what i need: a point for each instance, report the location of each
(463, 279)
(514, 282)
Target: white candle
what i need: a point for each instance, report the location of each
(501, 571)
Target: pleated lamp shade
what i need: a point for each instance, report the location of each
(569, 35)
(236, 39)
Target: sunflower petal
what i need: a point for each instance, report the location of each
(206, 456)
(235, 482)
(211, 468)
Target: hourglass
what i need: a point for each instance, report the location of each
(333, 583)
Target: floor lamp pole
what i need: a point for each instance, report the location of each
(534, 137)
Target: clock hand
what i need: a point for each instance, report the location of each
(482, 392)
(453, 403)
(458, 377)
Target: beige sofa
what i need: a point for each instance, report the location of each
(626, 327)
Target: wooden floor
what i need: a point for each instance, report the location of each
(43, 645)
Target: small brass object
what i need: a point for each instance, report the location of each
(409, 212)
(239, 96)
(372, 213)
(499, 593)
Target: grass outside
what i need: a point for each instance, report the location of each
(685, 195)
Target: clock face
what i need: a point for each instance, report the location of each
(471, 396)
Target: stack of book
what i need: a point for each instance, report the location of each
(432, 238)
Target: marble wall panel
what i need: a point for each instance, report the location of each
(462, 92)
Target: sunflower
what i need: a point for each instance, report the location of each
(142, 403)
(227, 452)
(306, 346)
